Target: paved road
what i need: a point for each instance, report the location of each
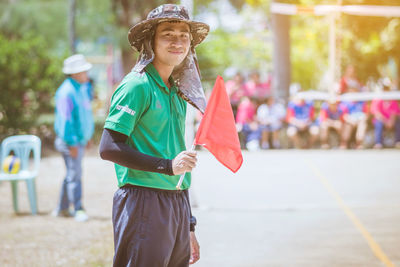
(300, 208)
(284, 208)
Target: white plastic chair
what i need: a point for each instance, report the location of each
(22, 145)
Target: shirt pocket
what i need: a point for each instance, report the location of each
(178, 109)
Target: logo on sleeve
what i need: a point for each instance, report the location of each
(126, 109)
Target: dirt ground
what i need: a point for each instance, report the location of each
(43, 240)
(281, 209)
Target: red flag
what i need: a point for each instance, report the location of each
(217, 130)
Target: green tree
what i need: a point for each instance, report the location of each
(28, 75)
(126, 14)
(238, 50)
(370, 42)
(34, 41)
(43, 17)
(309, 50)
(367, 42)
(243, 49)
(212, 57)
(49, 18)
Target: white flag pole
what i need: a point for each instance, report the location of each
(178, 186)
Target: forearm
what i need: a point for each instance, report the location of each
(114, 148)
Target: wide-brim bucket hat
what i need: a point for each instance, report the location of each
(163, 13)
(76, 64)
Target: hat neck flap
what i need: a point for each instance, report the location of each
(186, 76)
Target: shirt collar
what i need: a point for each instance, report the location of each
(74, 83)
(151, 70)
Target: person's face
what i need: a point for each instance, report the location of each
(255, 77)
(353, 90)
(298, 100)
(238, 79)
(171, 43)
(81, 77)
(333, 106)
(350, 71)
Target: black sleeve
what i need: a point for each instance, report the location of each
(113, 147)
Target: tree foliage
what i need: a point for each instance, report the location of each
(370, 42)
(367, 42)
(33, 44)
(44, 17)
(126, 14)
(309, 50)
(237, 50)
(28, 75)
(48, 18)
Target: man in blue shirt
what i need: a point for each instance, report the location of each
(300, 117)
(74, 127)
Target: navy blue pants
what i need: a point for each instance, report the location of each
(380, 127)
(71, 188)
(151, 227)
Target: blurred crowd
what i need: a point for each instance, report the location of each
(264, 122)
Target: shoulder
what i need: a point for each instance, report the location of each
(362, 103)
(394, 103)
(344, 105)
(66, 90)
(65, 87)
(135, 80)
(262, 108)
(133, 84)
(324, 105)
(347, 103)
(376, 101)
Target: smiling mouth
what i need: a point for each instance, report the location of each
(176, 52)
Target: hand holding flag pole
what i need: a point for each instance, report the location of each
(178, 186)
(217, 130)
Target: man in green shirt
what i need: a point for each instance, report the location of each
(144, 136)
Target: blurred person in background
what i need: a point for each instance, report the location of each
(385, 117)
(349, 80)
(91, 91)
(255, 88)
(355, 118)
(236, 90)
(252, 135)
(74, 127)
(300, 117)
(331, 119)
(270, 116)
(246, 124)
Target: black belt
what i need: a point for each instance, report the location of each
(153, 189)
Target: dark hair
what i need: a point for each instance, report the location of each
(254, 72)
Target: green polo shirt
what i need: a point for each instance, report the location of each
(153, 117)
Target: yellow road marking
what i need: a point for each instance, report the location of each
(376, 249)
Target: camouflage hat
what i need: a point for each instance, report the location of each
(163, 13)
